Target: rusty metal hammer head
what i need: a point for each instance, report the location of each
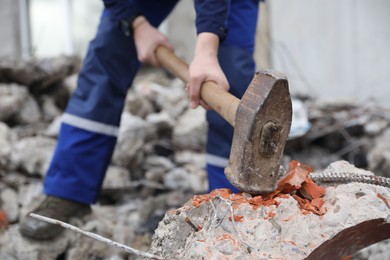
(261, 121)
(261, 128)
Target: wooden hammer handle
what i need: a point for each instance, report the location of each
(224, 103)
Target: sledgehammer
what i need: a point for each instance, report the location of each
(261, 121)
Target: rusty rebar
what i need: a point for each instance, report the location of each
(346, 177)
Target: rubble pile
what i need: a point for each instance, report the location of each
(293, 221)
(342, 130)
(158, 165)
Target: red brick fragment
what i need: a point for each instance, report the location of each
(312, 189)
(306, 205)
(318, 202)
(271, 214)
(384, 199)
(224, 193)
(3, 220)
(296, 183)
(293, 180)
(310, 193)
(237, 218)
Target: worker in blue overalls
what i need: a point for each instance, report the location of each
(126, 37)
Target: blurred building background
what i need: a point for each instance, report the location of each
(335, 49)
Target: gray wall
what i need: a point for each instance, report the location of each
(342, 47)
(49, 31)
(10, 31)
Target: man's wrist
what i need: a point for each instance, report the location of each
(207, 43)
(138, 21)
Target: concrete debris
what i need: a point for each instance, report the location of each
(132, 135)
(32, 155)
(139, 106)
(190, 158)
(9, 197)
(178, 179)
(12, 98)
(116, 178)
(344, 166)
(172, 99)
(379, 156)
(340, 131)
(50, 110)
(54, 128)
(29, 196)
(29, 112)
(232, 226)
(14, 246)
(159, 164)
(70, 83)
(5, 145)
(38, 74)
(190, 131)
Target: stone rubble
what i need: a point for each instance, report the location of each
(379, 156)
(32, 155)
(12, 98)
(159, 164)
(38, 75)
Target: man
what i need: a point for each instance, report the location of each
(126, 36)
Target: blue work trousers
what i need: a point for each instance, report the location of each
(91, 121)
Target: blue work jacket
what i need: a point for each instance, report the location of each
(211, 15)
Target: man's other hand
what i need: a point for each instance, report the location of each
(147, 38)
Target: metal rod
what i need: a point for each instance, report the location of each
(95, 236)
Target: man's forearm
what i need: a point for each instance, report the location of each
(207, 45)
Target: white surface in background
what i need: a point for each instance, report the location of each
(48, 26)
(342, 47)
(300, 119)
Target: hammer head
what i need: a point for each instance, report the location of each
(261, 129)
